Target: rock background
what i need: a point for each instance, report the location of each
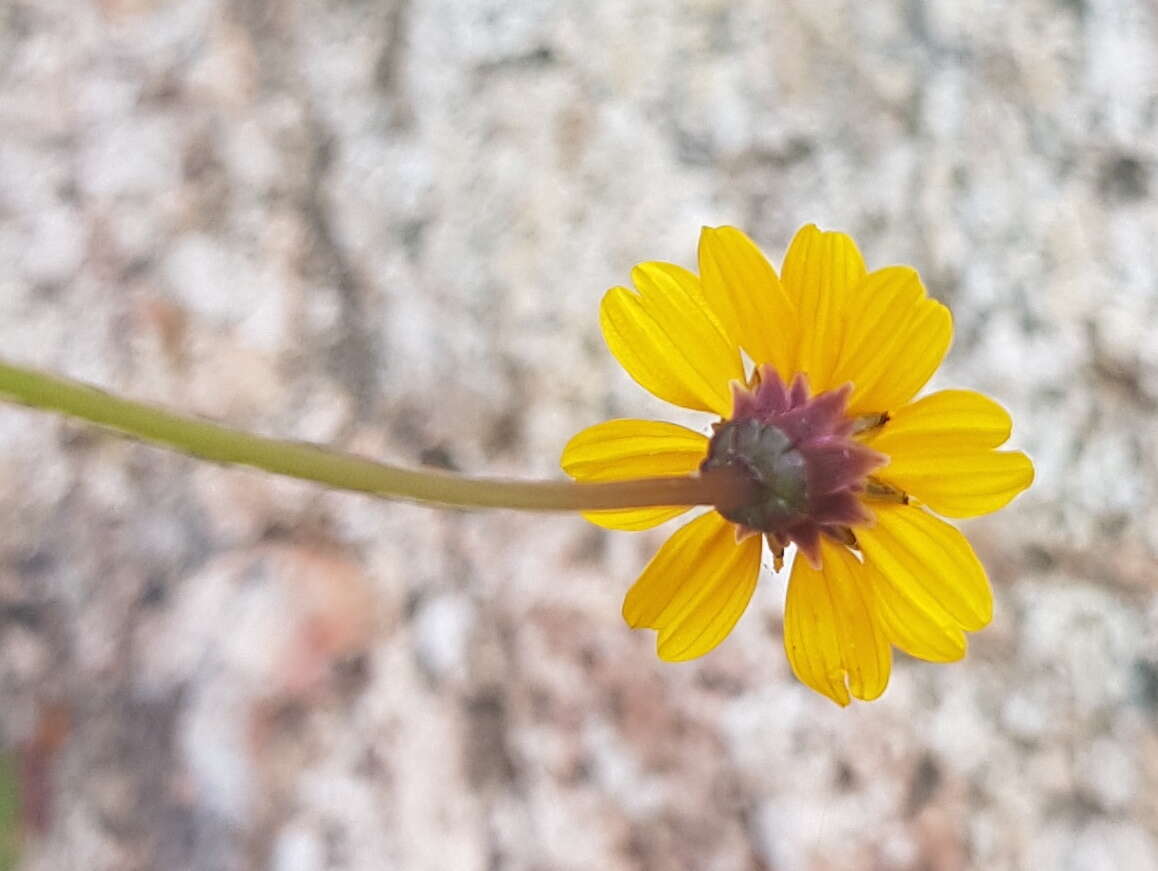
(386, 225)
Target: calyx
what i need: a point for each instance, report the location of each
(799, 451)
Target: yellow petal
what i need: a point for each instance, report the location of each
(895, 339)
(620, 449)
(958, 484)
(929, 563)
(939, 451)
(695, 588)
(669, 340)
(926, 633)
(821, 271)
(831, 628)
(742, 288)
(962, 419)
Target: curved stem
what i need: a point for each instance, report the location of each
(723, 488)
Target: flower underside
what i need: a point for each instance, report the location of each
(799, 451)
(843, 458)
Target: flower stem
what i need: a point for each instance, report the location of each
(308, 462)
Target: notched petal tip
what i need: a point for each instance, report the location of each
(666, 338)
(695, 588)
(896, 338)
(821, 274)
(930, 564)
(941, 451)
(833, 636)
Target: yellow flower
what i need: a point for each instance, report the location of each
(846, 465)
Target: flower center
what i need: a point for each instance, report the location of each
(809, 473)
(768, 456)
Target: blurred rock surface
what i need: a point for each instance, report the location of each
(387, 226)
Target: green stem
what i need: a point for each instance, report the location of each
(344, 471)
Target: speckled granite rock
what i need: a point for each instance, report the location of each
(387, 226)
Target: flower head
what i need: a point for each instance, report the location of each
(843, 462)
